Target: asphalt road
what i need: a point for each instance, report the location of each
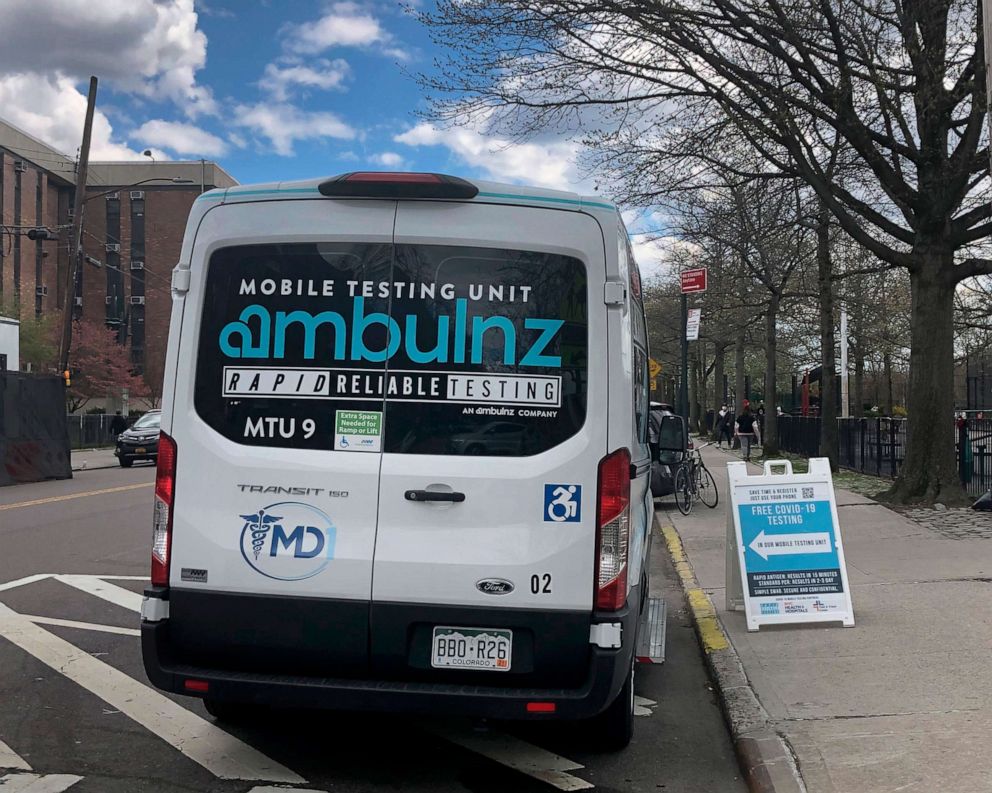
(76, 712)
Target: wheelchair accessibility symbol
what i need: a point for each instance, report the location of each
(563, 503)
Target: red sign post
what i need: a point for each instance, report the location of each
(694, 280)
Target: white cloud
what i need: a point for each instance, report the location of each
(388, 159)
(52, 109)
(180, 138)
(283, 76)
(550, 164)
(344, 24)
(147, 47)
(282, 125)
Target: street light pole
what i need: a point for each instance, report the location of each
(684, 380)
(76, 237)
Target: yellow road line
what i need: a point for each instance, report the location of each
(703, 614)
(71, 496)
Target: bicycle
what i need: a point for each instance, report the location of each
(693, 480)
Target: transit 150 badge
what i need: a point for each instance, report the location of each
(288, 540)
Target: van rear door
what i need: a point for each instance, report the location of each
(494, 429)
(278, 435)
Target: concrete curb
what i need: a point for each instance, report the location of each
(764, 756)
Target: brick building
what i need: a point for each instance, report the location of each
(133, 224)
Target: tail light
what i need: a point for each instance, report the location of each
(165, 491)
(612, 530)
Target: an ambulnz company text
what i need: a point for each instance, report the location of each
(288, 540)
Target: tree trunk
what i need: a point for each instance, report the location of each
(769, 436)
(929, 473)
(887, 369)
(694, 423)
(828, 388)
(739, 374)
(718, 396)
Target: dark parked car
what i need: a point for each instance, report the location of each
(140, 441)
(663, 468)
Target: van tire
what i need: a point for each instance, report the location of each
(612, 729)
(229, 712)
(126, 462)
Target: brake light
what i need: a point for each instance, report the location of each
(382, 184)
(199, 686)
(165, 491)
(541, 707)
(612, 530)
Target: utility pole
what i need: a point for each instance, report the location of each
(987, 35)
(76, 236)
(684, 379)
(844, 392)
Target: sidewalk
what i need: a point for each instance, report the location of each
(88, 459)
(903, 700)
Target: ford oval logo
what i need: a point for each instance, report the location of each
(494, 586)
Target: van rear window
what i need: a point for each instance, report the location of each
(402, 349)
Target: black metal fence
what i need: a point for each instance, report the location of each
(90, 431)
(877, 446)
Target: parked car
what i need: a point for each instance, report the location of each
(663, 466)
(140, 440)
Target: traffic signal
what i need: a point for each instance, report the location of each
(42, 234)
(67, 376)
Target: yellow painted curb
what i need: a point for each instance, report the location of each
(703, 614)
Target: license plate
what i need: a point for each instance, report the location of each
(140, 450)
(471, 648)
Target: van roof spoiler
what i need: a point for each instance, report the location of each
(392, 184)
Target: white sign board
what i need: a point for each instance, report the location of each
(692, 324)
(10, 332)
(789, 552)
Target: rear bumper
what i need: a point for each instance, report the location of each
(382, 685)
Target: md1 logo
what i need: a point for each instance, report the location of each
(288, 541)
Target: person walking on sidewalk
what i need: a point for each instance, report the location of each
(723, 427)
(747, 430)
(117, 425)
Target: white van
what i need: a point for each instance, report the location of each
(404, 461)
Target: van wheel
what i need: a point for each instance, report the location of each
(125, 462)
(612, 729)
(230, 712)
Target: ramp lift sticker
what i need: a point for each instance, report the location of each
(789, 564)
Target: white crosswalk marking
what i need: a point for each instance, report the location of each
(86, 626)
(10, 759)
(516, 754)
(101, 589)
(35, 783)
(280, 789)
(219, 752)
(24, 581)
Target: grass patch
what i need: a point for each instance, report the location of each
(856, 482)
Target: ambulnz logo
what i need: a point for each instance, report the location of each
(288, 541)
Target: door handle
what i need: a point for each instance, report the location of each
(433, 495)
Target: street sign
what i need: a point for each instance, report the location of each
(692, 324)
(694, 280)
(789, 564)
(654, 368)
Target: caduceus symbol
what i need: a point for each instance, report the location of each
(259, 526)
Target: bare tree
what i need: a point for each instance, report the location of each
(661, 88)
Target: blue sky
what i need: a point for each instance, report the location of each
(270, 89)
